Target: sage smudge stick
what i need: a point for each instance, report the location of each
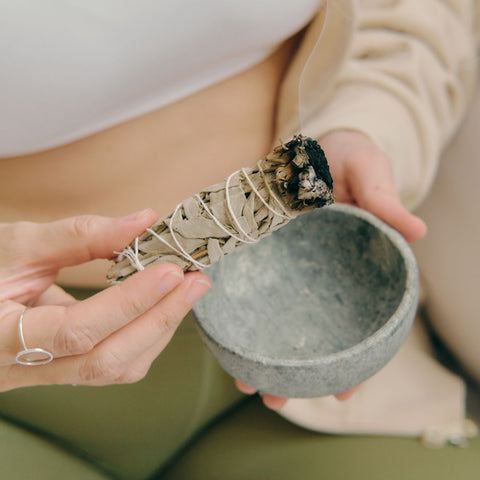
(249, 205)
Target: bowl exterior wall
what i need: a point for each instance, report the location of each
(334, 374)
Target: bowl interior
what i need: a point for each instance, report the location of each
(320, 285)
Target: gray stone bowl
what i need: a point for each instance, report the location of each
(314, 309)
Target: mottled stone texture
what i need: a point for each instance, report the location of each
(314, 309)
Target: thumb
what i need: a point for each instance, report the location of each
(77, 240)
(386, 205)
(372, 185)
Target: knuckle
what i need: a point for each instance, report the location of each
(164, 321)
(82, 225)
(133, 307)
(101, 370)
(73, 341)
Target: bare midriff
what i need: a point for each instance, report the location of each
(156, 160)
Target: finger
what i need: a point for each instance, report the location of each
(76, 329)
(77, 240)
(273, 402)
(342, 396)
(244, 388)
(342, 194)
(119, 358)
(387, 206)
(9, 337)
(54, 295)
(373, 187)
(151, 334)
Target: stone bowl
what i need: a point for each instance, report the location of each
(314, 309)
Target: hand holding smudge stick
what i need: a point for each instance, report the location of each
(249, 205)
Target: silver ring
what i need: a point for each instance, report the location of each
(30, 356)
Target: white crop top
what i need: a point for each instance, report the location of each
(70, 68)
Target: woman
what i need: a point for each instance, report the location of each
(111, 111)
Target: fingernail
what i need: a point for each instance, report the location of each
(135, 215)
(170, 280)
(196, 290)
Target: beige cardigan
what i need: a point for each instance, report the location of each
(403, 72)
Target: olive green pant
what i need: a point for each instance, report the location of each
(185, 420)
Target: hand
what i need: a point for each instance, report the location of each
(362, 176)
(112, 337)
(276, 403)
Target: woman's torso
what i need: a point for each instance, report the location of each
(154, 160)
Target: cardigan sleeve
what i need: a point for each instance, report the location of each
(406, 83)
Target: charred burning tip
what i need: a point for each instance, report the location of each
(306, 175)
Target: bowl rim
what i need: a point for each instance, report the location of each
(395, 321)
